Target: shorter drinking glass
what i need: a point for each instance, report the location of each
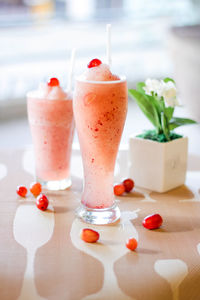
(52, 128)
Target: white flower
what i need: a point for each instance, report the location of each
(169, 93)
(171, 102)
(167, 90)
(152, 85)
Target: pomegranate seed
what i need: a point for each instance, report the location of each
(131, 244)
(152, 221)
(42, 202)
(128, 184)
(119, 189)
(35, 188)
(21, 190)
(89, 235)
(94, 63)
(53, 82)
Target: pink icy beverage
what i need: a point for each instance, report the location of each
(51, 121)
(100, 107)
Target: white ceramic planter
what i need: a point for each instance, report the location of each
(158, 166)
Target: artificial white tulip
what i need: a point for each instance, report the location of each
(167, 90)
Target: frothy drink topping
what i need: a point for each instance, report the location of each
(98, 72)
(49, 91)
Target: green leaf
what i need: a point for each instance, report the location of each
(140, 86)
(176, 122)
(144, 104)
(165, 126)
(157, 109)
(157, 119)
(169, 112)
(167, 79)
(156, 102)
(157, 105)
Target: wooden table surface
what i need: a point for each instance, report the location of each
(43, 257)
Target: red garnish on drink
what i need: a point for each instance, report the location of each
(119, 189)
(128, 184)
(131, 244)
(53, 82)
(89, 235)
(35, 188)
(21, 190)
(42, 202)
(152, 221)
(94, 63)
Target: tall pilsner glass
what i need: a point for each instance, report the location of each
(100, 109)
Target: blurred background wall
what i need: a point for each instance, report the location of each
(36, 37)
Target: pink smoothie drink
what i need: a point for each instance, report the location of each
(51, 121)
(100, 107)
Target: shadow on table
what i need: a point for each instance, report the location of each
(177, 194)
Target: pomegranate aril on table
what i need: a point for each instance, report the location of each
(94, 63)
(119, 189)
(35, 188)
(21, 190)
(128, 184)
(152, 221)
(89, 235)
(42, 202)
(131, 244)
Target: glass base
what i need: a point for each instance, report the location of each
(98, 216)
(55, 185)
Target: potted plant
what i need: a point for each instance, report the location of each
(158, 158)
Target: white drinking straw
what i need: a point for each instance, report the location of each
(108, 44)
(71, 70)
